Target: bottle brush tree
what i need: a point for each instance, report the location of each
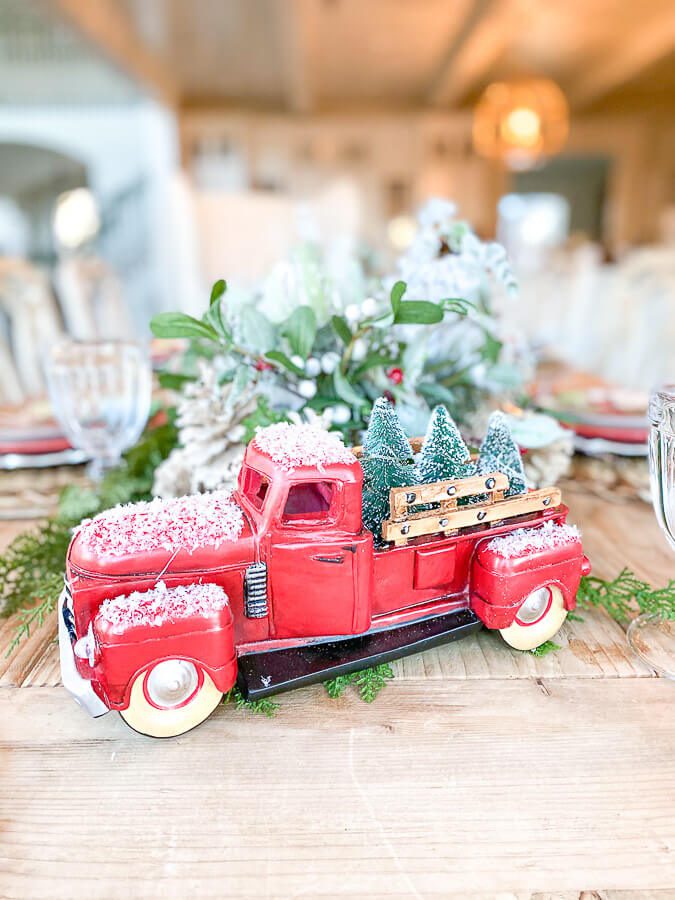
(387, 463)
(444, 453)
(500, 453)
(385, 435)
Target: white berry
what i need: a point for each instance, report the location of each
(369, 307)
(341, 414)
(329, 362)
(352, 313)
(306, 389)
(298, 361)
(359, 350)
(312, 367)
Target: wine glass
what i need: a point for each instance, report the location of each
(100, 392)
(650, 636)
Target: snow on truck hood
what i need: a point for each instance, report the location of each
(159, 606)
(144, 536)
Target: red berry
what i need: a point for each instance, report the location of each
(389, 396)
(262, 365)
(395, 375)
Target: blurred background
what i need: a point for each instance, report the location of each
(149, 147)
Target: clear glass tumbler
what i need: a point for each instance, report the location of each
(100, 391)
(650, 636)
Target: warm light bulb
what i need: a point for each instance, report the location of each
(76, 218)
(522, 127)
(520, 121)
(401, 231)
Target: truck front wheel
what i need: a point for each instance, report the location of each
(538, 618)
(170, 698)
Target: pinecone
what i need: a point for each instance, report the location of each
(547, 465)
(210, 434)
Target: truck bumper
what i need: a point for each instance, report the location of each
(78, 687)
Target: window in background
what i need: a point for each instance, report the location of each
(401, 226)
(530, 226)
(218, 164)
(582, 181)
(32, 178)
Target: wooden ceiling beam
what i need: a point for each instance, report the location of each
(646, 45)
(479, 44)
(105, 25)
(299, 21)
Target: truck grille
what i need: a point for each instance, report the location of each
(255, 591)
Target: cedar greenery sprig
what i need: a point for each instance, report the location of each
(31, 568)
(545, 648)
(369, 682)
(35, 617)
(625, 595)
(263, 707)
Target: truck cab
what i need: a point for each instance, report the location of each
(312, 542)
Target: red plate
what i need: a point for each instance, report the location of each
(34, 445)
(625, 434)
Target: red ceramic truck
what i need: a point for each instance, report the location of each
(168, 604)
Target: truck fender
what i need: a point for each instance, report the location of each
(205, 641)
(498, 587)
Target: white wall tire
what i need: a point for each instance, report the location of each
(537, 620)
(170, 698)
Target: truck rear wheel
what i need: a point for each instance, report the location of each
(170, 698)
(538, 618)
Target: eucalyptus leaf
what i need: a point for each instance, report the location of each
(256, 332)
(372, 361)
(341, 328)
(437, 393)
(174, 380)
(180, 325)
(345, 391)
(217, 291)
(300, 330)
(418, 312)
(281, 358)
(414, 358)
(396, 296)
(491, 348)
(386, 320)
(456, 305)
(214, 317)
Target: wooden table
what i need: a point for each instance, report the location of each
(479, 770)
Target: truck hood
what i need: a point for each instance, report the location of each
(189, 534)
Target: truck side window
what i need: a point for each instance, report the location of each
(256, 487)
(309, 500)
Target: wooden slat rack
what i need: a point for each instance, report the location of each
(449, 518)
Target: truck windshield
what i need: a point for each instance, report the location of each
(255, 487)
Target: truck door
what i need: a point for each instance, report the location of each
(312, 564)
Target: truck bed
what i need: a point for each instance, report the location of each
(436, 567)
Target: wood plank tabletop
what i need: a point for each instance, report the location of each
(478, 771)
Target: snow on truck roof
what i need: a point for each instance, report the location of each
(526, 540)
(292, 446)
(184, 523)
(160, 605)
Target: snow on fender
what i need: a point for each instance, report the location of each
(510, 569)
(191, 623)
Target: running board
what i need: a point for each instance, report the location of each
(274, 671)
